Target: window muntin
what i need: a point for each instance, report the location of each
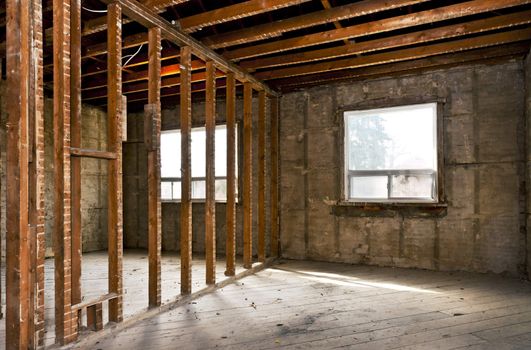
(171, 164)
(391, 154)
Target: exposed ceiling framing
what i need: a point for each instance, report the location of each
(295, 43)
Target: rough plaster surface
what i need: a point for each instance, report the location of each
(484, 147)
(135, 185)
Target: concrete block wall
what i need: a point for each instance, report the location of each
(484, 229)
(135, 181)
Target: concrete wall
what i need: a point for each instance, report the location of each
(135, 186)
(484, 146)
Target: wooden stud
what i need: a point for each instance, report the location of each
(384, 25)
(247, 175)
(19, 44)
(95, 317)
(210, 200)
(261, 176)
(154, 205)
(274, 198)
(231, 175)
(75, 141)
(186, 171)
(114, 176)
(65, 331)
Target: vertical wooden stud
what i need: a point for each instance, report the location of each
(247, 175)
(75, 141)
(231, 175)
(186, 171)
(274, 198)
(95, 317)
(154, 206)
(210, 202)
(114, 141)
(18, 240)
(36, 181)
(64, 329)
(261, 175)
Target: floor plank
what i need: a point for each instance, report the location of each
(304, 305)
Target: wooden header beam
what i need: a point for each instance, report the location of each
(148, 18)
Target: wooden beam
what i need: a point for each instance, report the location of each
(75, 142)
(65, 329)
(401, 55)
(154, 204)
(337, 24)
(77, 153)
(385, 25)
(401, 68)
(18, 258)
(455, 30)
(247, 175)
(231, 175)
(148, 18)
(274, 198)
(210, 200)
(276, 28)
(261, 175)
(232, 12)
(100, 24)
(114, 141)
(186, 171)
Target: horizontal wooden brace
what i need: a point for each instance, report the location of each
(101, 299)
(91, 153)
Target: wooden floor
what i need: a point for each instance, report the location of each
(135, 270)
(302, 305)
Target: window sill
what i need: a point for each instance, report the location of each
(388, 210)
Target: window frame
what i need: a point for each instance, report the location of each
(439, 134)
(202, 178)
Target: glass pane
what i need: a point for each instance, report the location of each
(198, 190)
(221, 190)
(177, 190)
(165, 190)
(412, 186)
(392, 138)
(370, 187)
(170, 154)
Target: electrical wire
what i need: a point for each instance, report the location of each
(132, 56)
(91, 10)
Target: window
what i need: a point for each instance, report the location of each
(170, 143)
(391, 154)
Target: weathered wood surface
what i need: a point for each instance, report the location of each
(135, 298)
(247, 175)
(186, 171)
(114, 174)
(153, 166)
(261, 215)
(210, 172)
(300, 305)
(231, 175)
(273, 187)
